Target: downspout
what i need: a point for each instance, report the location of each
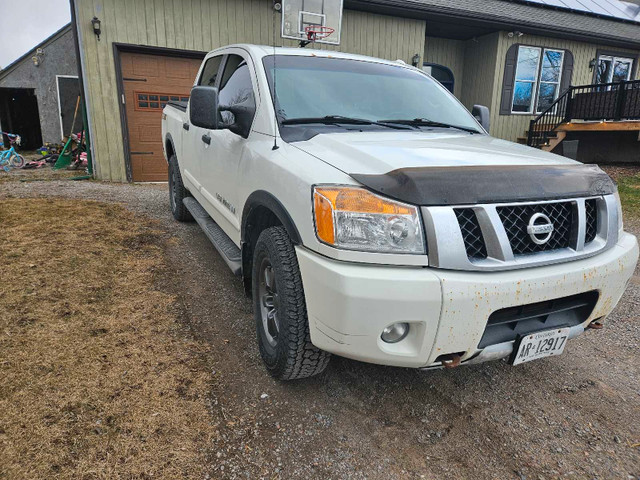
(86, 104)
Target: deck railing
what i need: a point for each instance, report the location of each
(608, 101)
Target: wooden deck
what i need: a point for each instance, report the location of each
(609, 107)
(563, 129)
(611, 126)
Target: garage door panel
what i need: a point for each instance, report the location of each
(179, 68)
(150, 81)
(149, 134)
(146, 168)
(147, 66)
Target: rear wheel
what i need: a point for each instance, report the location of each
(280, 311)
(177, 192)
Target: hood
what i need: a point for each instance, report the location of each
(456, 169)
(382, 152)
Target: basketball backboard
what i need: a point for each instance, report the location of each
(300, 16)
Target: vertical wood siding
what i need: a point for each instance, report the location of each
(510, 127)
(479, 68)
(449, 53)
(203, 25)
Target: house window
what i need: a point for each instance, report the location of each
(612, 69)
(441, 73)
(537, 79)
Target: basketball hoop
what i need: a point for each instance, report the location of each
(318, 32)
(311, 21)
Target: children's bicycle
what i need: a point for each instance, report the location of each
(10, 158)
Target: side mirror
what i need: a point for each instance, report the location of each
(482, 115)
(204, 108)
(243, 114)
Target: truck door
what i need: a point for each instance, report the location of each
(219, 168)
(193, 148)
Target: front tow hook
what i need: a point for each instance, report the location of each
(596, 324)
(451, 360)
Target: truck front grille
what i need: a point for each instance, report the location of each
(515, 219)
(591, 212)
(507, 324)
(494, 237)
(471, 233)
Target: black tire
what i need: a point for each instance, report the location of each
(177, 193)
(283, 337)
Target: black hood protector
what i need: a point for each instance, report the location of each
(468, 185)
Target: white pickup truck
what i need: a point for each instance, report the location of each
(371, 216)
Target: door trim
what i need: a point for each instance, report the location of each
(58, 77)
(118, 49)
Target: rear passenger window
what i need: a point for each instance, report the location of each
(236, 87)
(210, 72)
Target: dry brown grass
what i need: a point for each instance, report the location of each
(38, 175)
(98, 380)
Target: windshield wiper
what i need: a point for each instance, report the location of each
(425, 122)
(335, 119)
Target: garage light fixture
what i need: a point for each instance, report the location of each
(37, 58)
(95, 23)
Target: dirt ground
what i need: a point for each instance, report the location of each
(574, 416)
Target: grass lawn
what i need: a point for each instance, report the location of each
(629, 188)
(99, 379)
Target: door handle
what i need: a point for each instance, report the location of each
(185, 126)
(206, 139)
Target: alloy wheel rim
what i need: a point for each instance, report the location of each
(268, 295)
(173, 190)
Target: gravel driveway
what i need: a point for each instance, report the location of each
(573, 416)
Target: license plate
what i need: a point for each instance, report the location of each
(541, 344)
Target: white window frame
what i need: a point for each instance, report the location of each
(58, 77)
(613, 59)
(540, 82)
(535, 91)
(534, 82)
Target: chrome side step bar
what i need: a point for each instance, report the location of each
(228, 250)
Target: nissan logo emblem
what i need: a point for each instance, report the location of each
(540, 228)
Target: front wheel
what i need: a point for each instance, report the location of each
(280, 310)
(17, 161)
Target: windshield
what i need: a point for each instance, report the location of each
(317, 87)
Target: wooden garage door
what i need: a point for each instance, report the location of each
(150, 81)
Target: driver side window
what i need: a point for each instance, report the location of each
(210, 72)
(235, 86)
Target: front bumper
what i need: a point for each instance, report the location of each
(350, 304)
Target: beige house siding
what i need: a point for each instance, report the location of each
(510, 127)
(202, 25)
(449, 53)
(479, 66)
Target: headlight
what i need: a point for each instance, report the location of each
(619, 205)
(356, 219)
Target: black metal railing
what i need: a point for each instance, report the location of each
(607, 101)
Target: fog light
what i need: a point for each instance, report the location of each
(394, 333)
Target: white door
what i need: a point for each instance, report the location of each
(194, 148)
(613, 69)
(218, 169)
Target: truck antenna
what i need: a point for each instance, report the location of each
(277, 6)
